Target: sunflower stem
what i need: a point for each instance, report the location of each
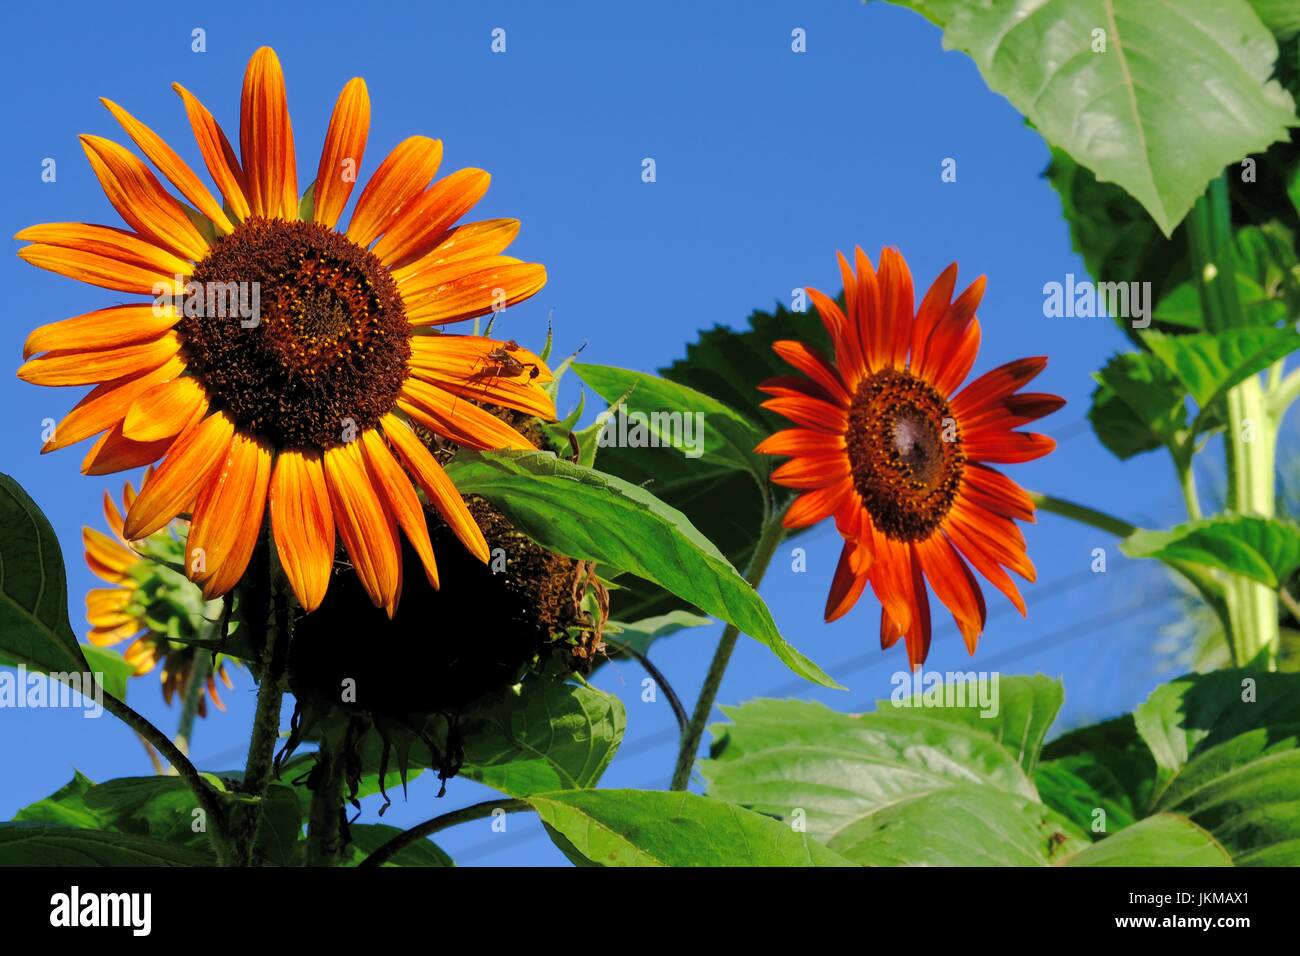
(193, 694)
(768, 540)
(324, 845)
(1251, 435)
(267, 616)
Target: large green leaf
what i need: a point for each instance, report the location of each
(639, 635)
(1162, 840)
(1210, 363)
(965, 825)
(669, 409)
(800, 760)
(65, 807)
(33, 845)
(116, 672)
(1135, 114)
(550, 736)
(1280, 16)
(1025, 708)
(1264, 550)
(661, 828)
(1103, 766)
(598, 517)
(34, 627)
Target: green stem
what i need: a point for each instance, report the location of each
(208, 799)
(1250, 439)
(323, 844)
(193, 694)
(266, 615)
(1082, 514)
(1283, 396)
(768, 540)
(429, 827)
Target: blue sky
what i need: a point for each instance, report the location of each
(767, 162)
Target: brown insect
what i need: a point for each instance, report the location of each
(505, 365)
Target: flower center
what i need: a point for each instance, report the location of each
(295, 332)
(905, 453)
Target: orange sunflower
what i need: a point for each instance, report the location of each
(902, 462)
(141, 603)
(304, 397)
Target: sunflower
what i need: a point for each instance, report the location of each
(902, 459)
(142, 602)
(305, 396)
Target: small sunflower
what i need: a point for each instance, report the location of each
(149, 602)
(309, 405)
(902, 462)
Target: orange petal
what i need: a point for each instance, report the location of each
(949, 332)
(456, 356)
(141, 200)
(115, 326)
(436, 484)
(962, 359)
(114, 452)
(400, 178)
(891, 578)
(954, 585)
(994, 491)
(846, 586)
(79, 367)
(115, 635)
(811, 412)
(848, 351)
(368, 529)
(106, 405)
(933, 308)
(266, 139)
(816, 505)
(478, 374)
(110, 243)
(800, 441)
(399, 496)
(303, 524)
(165, 410)
(984, 563)
(918, 633)
(796, 386)
(109, 559)
(995, 385)
(871, 327)
(174, 486)
(465, 288)
(218, 155)
(896, 307)
(807, 360)
(423, 224)
(228, 516)
(456, 418)
(1006, 447)
(340, 159)
(176, 170)
(103, 271)
(474, 240)
(812, 471)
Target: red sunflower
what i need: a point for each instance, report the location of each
(902, 459)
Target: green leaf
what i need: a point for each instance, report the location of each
(1280, 16)
(369, 837)
(639, 635)
(801, 759)
(966, 825)
(1026, 707)
(661, 828)
(1162, 840)
(307, 204)
(669, 410)
(1267, 551)
(114, 668)
(1208, 364)
(161, 807)
(34, 627)
(594, 516)
(543, 736)
(32, 845)
(65, 807)
(1138, 405)
(1112, 110)
(1103, 766)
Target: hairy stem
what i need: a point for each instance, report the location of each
(193, 695)
(323, 843)
(768, 540)
(429, 827)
